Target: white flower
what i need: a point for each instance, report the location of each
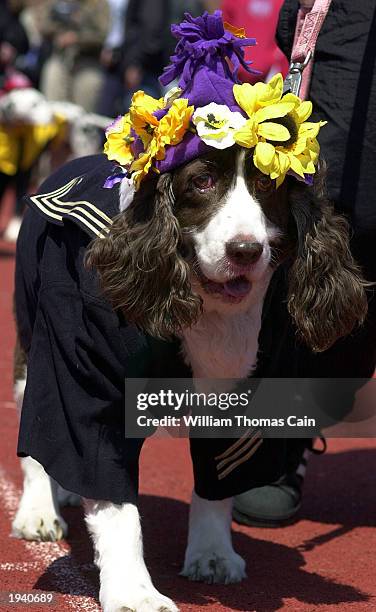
(216, 124)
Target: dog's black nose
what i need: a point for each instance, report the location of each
(244, 253)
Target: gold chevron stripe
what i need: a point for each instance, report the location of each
(234, 446)
(73, 213)
(93, 229)
(83, 203)
(46, 210)
(233, 466)
(51, 204)
(248, 442)
(76, 209)
(65, 188)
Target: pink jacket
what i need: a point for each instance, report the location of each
(259, 18)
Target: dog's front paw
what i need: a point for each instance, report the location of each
(214, 567)
(36, 524)
(137, 600)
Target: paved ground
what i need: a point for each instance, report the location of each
(325, 562)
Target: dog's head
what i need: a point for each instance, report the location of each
(209, 235)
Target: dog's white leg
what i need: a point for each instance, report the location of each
(38, 515)
(210, 556)
(125, 583)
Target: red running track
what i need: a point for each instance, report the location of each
(325, 562)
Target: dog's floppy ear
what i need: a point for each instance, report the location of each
(326, 290)
(140, 267)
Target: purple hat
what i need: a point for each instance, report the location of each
(201, 63)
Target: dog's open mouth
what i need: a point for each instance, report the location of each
(233, 290)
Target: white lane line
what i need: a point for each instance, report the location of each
(20, 567)
(66, 574)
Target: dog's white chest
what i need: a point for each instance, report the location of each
(222, 346)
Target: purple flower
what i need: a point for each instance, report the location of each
(115, 177)
(204, 41)
(308, 178)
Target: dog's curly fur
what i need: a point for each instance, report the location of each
(141, 267)
(326, 293)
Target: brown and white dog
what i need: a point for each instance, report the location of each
(199, 247)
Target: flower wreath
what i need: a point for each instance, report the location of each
(275, 125)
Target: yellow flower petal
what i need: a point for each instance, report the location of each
(273, 131)
(141, 114)
(117, 146)
(263, 156)
(275, 170)
(280, 109)
(307, 164)
(303, 111)
(271, 92)
(246, 136)
(313, 148)
(280, 180)
(245, 95)
(289, 97)
(296, 166)
(284, 162)
(310, 129)
(173, 126)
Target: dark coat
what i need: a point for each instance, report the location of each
(80, 351)
(343, 92)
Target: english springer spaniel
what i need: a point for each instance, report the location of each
(192, 256)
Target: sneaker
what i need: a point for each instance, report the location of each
(277, 504)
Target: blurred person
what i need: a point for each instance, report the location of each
(259, 19)
(76, 31)
(13, 38)
(343, 92)
(146, 47)
(31, 63)
(110, 102)
(13, 42)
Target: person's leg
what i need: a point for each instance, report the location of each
(109, 103)
(86, 86)
(55, 79)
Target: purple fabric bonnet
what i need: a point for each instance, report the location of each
(201, 64)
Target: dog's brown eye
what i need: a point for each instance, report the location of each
(204, 182)
(264, 183)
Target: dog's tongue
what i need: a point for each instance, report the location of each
(237, 287)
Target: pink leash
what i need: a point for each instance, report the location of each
(311, 16)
